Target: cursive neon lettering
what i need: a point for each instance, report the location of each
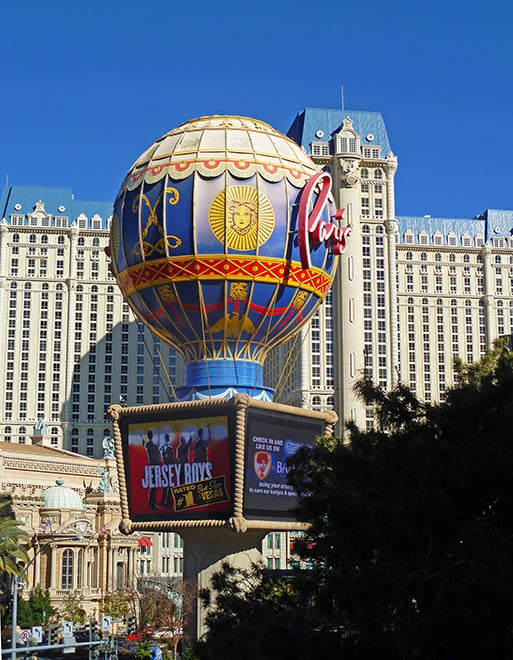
(311, 226)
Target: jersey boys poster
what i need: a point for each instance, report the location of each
(179, 469)
(271, 438)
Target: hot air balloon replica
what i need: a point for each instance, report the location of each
(224, 242)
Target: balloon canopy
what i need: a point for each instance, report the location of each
(224, 240)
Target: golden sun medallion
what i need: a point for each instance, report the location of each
(241, 217)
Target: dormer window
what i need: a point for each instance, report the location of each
(82, 221)
(320, 149)
(371, 152)
(96, 221)
(17, 219)
(347, 141)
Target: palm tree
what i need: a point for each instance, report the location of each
(13, 554)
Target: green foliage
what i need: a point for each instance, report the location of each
(410, 537)
(255, 615)
(36, 610)
(143, 650)
(13, 540)
(72, 609)
(116, 604)
(412, 524)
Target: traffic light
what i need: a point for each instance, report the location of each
(131, 624)
(95, 630)
(52, 634)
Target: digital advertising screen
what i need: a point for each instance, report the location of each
(178, 466)
(271, 438)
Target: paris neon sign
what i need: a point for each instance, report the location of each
(310, 225)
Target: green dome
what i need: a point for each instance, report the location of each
(61, 497)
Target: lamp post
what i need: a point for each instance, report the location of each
(16, 585)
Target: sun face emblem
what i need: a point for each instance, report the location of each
(241, 217)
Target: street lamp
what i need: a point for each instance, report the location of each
(16, 585)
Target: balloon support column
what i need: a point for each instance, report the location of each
(204, 553)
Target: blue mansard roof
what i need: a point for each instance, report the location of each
(311, 120)
(490, 224)
(21, 200)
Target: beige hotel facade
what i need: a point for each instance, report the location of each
(411, 294)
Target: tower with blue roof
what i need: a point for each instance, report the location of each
(414, 292)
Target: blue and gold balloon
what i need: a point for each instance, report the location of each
(205, 247)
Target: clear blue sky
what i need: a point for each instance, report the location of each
(87, 86)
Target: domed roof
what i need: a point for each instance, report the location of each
(61, 497)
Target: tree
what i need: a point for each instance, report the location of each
(411, 532)
(13, 540)
(37, 609)
(117, 604)
(72, 608)
(165, 605)
(254, 614)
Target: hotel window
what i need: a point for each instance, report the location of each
(378, 207)
(466, 285)
(468, 326)
(452, 240)
(438, 239)
(67, 570)
(500, 318)
(466, 241)
(320, 149)
(17, 219)
(454, 328)
(424, 239)
(365, 206)
(365, 173)
(408, 237)
(14, 267)
(378, 174)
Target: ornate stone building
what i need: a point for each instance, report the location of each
(70, 509)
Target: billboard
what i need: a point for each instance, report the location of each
(177, 464)
(220, 462)
(271, 438)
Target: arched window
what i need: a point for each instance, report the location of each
(466, 258)
(365, 229)
(32, 238)
(497, 258)
(438, 257)
(44, 238)
(423, 256)
(15, 238)
(96, 241)
(21, 435)
(380, 229)
(60, 240)
(80, 561)
(409, 256)
(67, 570)
(365, 173)
(316, 402)
(7, 433)
(81, 240)
(378, 174)
(452, 257)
